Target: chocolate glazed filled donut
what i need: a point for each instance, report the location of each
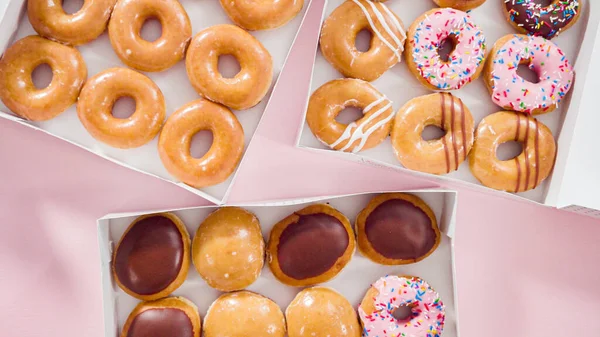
(171, 316)
(396, 229)
(310, 246)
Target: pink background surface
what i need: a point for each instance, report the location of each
(523, 270)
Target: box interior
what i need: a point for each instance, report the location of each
(352, 282)
(173, 82)
(399, 85)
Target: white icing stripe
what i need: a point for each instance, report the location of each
(372, 105)
(377, 32)
(385, 25)
(396, 23)
(353, 135)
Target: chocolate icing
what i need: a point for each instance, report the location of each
(311, 246)
(538, 20)
(161, 322)
(150, 255)
(397, 229)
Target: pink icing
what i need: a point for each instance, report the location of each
(511, 91)
(428, 313)
(464, 61)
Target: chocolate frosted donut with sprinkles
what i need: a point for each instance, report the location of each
(429, 34)
(512, 92)
(534, 17)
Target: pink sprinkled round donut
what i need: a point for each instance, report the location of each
(429, 33)
(377, 308)
(545, 58)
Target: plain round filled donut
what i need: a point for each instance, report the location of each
(339, 33)
(427, 35)
(512, 92)
(463, 5)
(327, 102)
(522, 173)
(254, 15)
(124, 29)
(98, 97)
(540, 18)
(50, 20)
(17, 89)
(249, 86)
(224, 154)
(438, 156)
(386, 295)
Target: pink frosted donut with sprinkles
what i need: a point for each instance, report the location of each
(376, 311)
(429, 33)
(512, 92)
(536, 18)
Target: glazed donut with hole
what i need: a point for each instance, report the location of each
(511, 91)
(49, 19)
(253, 15)
(438, 156)
(248, 87)
(224, 154)
(339, 34)
(426, 37)
(462, 5)
(327, 102)
(542, 17)
(124, 30)
(19, 93)
(97, 100)
(522, 173)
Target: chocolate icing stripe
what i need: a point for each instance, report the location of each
(444, 138)
(463, 129)
(537, 154)
(517, 158)
(526, 150)
(453, 131)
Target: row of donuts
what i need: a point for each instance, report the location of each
(308, 247)
(421, 46)
(395, 305)
(436, 156)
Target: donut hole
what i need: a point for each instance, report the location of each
(42, 76)
(201, 143)
(363, 40)
(432, 132)
(403, 313)
(124, 107)
(446, 47)
(151, 29)
(349, 114)
(527, 72)
(229, 66)
(509, 150)
(72, 6)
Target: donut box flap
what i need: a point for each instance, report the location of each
(98, 54)
(399, 85)
(438, 269)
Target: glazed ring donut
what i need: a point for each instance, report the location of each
(242, 314)
(321, 312)
(126, 24)
(462, 5)
(339, 33)
(533, 18)
(171, 316)
(512, 92)
(229, 250)
(425, 37)
(376, 311)
(50, 20)
(252, 15)
(331, 98)
(522, 173)
(151, 259)
(249, 86)
(17, 90)
(438, 156)
(396, 229)
(100, 93)
(224, 154)
(310, 246)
